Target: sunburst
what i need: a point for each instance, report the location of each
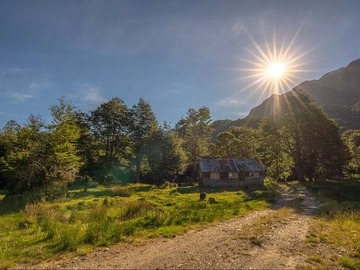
(274, 69)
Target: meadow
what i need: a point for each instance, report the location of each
(101, 216)
(338, 224)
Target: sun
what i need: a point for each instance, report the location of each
(272, 68)
(276, 70)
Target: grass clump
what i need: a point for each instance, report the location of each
(260, 228)
(104, 216)
(122, 191)
(339, 221)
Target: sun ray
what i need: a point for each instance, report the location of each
(275, 66)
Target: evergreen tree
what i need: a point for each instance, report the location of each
(274, 149)
(64, 136)
(87, 146)
(110, 125)
(351, 138)
(316, 145)
(247, 142)
(195, 130)
(143, 128)
(166, 157)
(225, 146)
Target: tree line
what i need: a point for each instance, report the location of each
(119, 144)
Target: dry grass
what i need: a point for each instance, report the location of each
(260, 228)
(338, 226)
(103, 216)
(121, 191)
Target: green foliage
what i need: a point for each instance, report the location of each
(143, 129)
(121, 191)
(40, 160)
(314, 140)
(43, 229)
(110, 125)
(275, 150)
(166, 157)
(339, 222)
(195, 130)
(351, 138)
(64, 135)
(238, 142)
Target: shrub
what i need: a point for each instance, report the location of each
(121, 191)
(97, 225)
(70, 236)
(134, 209)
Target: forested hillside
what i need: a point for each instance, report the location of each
(117, 144)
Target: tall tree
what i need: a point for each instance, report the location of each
(195, 130)
(143, 127)
(238, 142)
(247, 141)
(317, 149)
(274, 149)
(225, 146)
(65, 133)
(87, 147)
(27, 156)
(110, 124)
(166, 157)
(351, 138)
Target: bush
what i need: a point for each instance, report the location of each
(134, 209)
(121, 191)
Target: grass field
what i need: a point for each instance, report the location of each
(91, 217)
(339, 221)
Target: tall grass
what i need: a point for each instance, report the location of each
(339, 221)
(98, 227)
(88, 221)
(122, 191)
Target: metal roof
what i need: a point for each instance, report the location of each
(230, 165)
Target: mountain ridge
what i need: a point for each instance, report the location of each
(337, 93)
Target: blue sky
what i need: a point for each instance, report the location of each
(175, 54)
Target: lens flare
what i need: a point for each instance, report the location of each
(273, 68)
(276, 70)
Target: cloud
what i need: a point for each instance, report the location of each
(233, 114)
(230, 102)
(89, 93)
(39, 85)
(18, 85)
(175, 89)
(13, 71)
(18, 97)
(239, 28)
(6, 113)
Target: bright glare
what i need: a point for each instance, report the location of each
(273, 68)
(276, 70)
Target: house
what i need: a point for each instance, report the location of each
(241, 173)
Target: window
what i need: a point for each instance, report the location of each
(233, 175)
(215, 175)
(206, 175)
(254, 174)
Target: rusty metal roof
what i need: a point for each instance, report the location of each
(230, 165)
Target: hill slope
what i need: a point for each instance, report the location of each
(337, 93)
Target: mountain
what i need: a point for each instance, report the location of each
(337, 93)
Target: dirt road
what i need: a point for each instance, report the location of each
(270, 239)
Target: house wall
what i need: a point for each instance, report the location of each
(217, 182)
(244, 181)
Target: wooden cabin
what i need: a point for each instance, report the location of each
(234, 173)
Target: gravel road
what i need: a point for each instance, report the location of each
(269, 239)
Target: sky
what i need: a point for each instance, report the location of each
(176, 54)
